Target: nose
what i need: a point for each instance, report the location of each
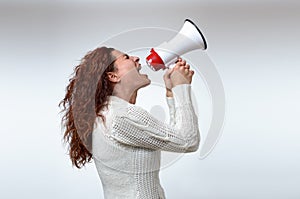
(135, 59)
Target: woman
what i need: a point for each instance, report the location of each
(125, 141)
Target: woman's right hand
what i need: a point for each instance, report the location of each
(181, 73)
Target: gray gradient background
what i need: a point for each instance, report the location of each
(254, 44)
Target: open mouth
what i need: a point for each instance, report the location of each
(139, 69)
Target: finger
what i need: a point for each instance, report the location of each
(178, 60)
(181, 68)
(181, 63)
(186, 71)
(191, 73)
(168, 72)
(178, 65)
(187, 66)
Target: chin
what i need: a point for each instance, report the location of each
(145, 83)
(148, 82)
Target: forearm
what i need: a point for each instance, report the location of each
(186, 121)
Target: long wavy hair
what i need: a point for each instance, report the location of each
(86, 95)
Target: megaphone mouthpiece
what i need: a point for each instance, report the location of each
(154, 61)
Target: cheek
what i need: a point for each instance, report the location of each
(130, 76)
(126, 69)
(122, 71)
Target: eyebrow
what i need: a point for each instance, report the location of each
(123, 55)
(118, 58)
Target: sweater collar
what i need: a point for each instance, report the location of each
(117, 100)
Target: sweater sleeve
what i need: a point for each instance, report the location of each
(171, 105)
(140, 129)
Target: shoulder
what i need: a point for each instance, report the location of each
(133, 113)
(138, 112)
(133, 109)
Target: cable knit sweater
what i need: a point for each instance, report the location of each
(127, 146)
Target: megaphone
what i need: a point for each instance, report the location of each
(188, 38)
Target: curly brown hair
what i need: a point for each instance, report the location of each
(86, 95)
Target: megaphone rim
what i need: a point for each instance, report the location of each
(202, 36)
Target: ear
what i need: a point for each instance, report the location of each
(113, 77)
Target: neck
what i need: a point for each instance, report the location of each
(133, 98)
(125, 93)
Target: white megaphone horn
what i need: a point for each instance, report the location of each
(189, 38)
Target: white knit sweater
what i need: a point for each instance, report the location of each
(127, 147)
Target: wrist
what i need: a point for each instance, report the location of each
(169, 92)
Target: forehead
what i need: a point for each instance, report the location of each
(118, 58)
(117, 53)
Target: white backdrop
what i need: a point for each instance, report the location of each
(255, 46)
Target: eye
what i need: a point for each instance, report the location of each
(126, 56)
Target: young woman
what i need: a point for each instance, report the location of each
(103, 123)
